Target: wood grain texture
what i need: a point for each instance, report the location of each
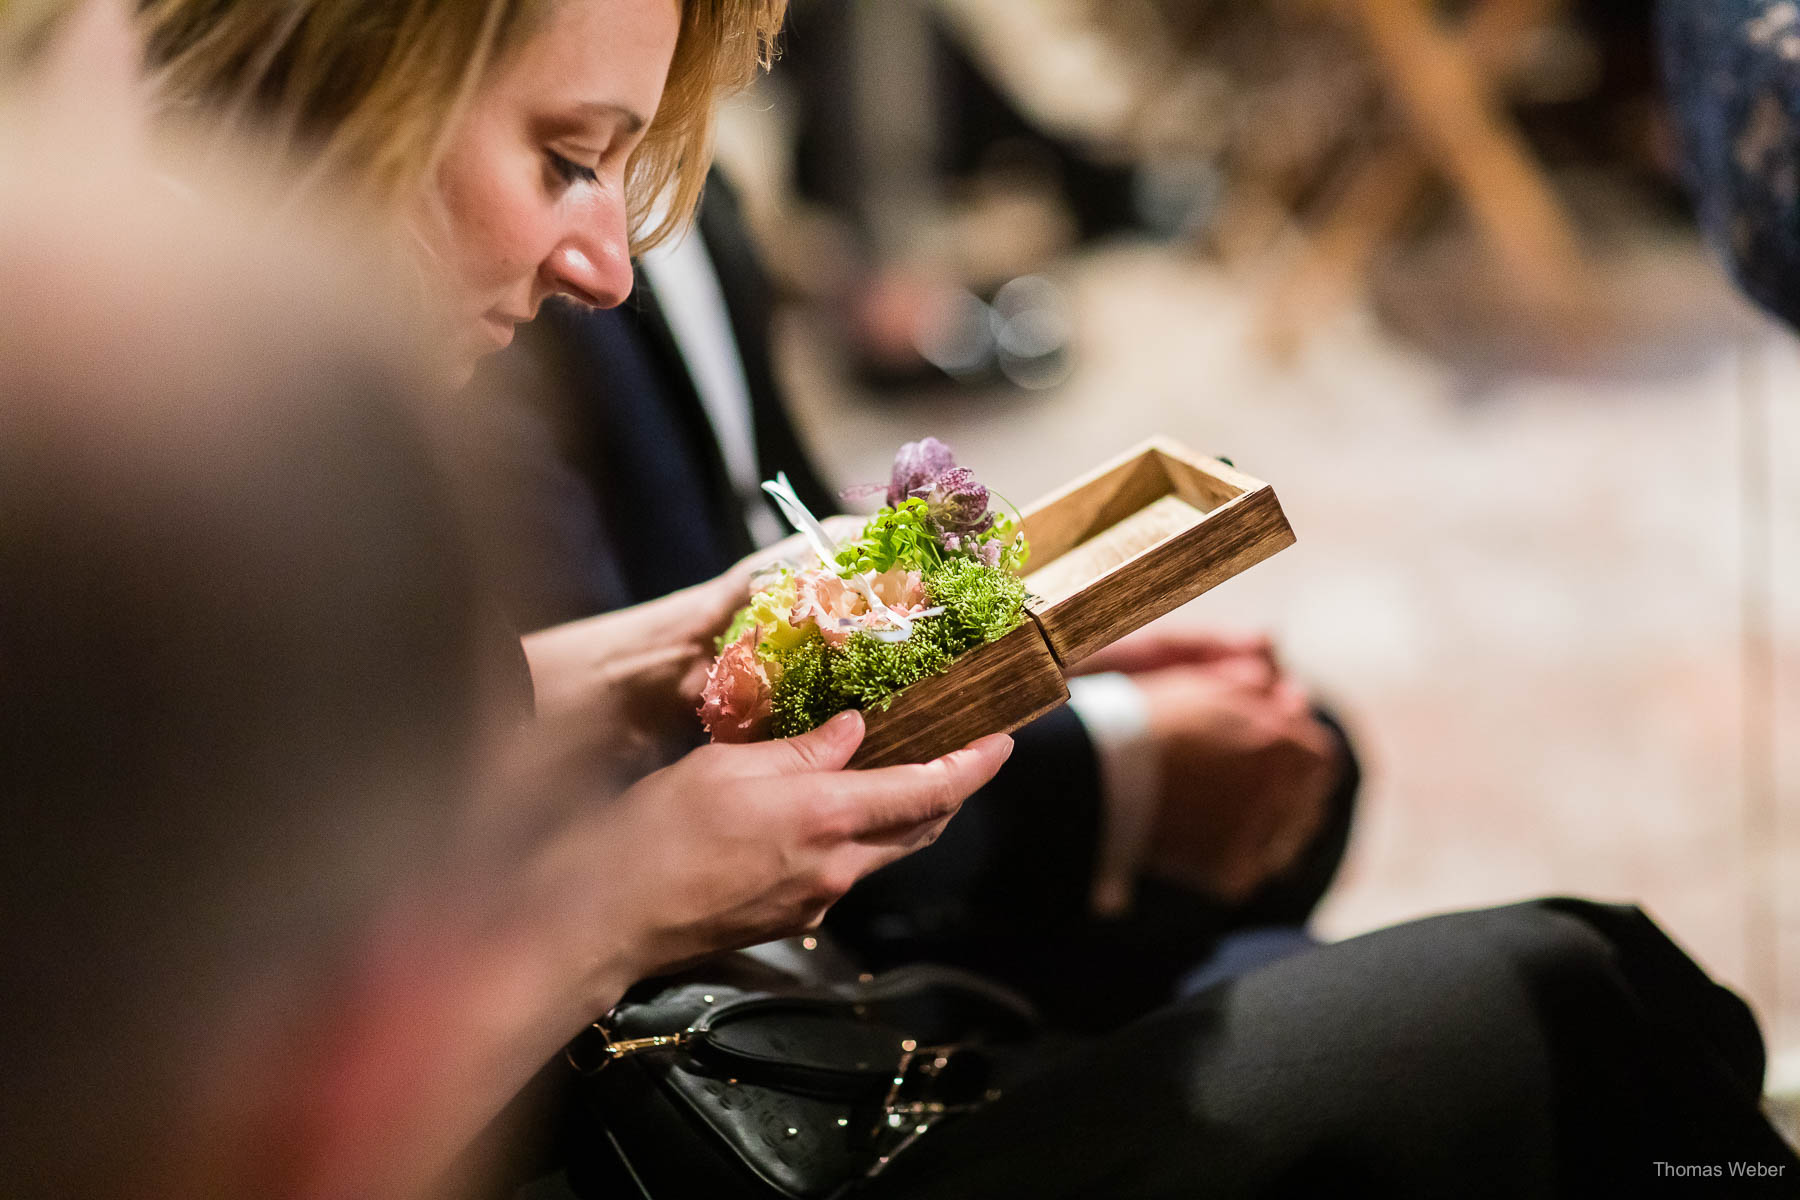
(1122, 545)
(1157, 556)
(1094, 503)
(993, 688)
(1207, 482)
(1158, 521)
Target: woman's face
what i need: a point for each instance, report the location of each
(531, 192)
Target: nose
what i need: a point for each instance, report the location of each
(592, 261)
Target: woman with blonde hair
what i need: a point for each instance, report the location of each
(519, 150)
(524, 144)
(528, 149)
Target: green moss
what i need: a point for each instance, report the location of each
(866, 672)
(801, 697)
(817, 680)
(982, 602)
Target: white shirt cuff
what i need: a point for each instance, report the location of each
(1113, 711)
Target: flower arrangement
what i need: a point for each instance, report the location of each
(934, 572)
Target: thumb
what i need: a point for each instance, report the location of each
(826, 748)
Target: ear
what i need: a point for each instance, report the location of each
(93, 71)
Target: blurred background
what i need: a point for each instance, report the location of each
(1425, 267)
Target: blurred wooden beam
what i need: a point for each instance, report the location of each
(1381, 191)
(1383, 186)
(1444, 96)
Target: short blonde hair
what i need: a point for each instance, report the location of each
(367, 91)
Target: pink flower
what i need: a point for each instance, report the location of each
(840, 608)
(735, 704)
(830, 603)
(900, 589)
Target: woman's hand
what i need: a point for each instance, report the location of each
(637, 672)
(735, 845)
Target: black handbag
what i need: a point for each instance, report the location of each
(704, 1090)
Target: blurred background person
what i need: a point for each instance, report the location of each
(240, 743)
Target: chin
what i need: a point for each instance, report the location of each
(461, 374)
(476, 348)
(457, 368)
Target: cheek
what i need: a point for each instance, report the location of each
(495, 225)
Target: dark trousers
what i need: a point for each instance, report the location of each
(1559, 1048)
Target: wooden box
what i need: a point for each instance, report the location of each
(1110, 552)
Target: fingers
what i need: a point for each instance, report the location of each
(840, 869)
(892, 804)
(795, 547)
(844, 526)
(860, 821)
(1166, 645)
(823, 750)
(859, 859)
(1290, 840)
(1255, 672)
(712, 605)
(827, 748)
(692, 684)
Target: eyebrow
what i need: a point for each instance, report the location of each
(605, 108)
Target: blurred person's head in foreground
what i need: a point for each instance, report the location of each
(240, 691)
(1733, 74)
(525, 148)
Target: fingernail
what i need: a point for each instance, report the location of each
(1007, 749)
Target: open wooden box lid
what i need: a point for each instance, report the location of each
(1110, 552)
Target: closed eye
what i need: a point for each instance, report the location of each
(569, 171)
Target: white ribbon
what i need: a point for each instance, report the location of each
(800, 517)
